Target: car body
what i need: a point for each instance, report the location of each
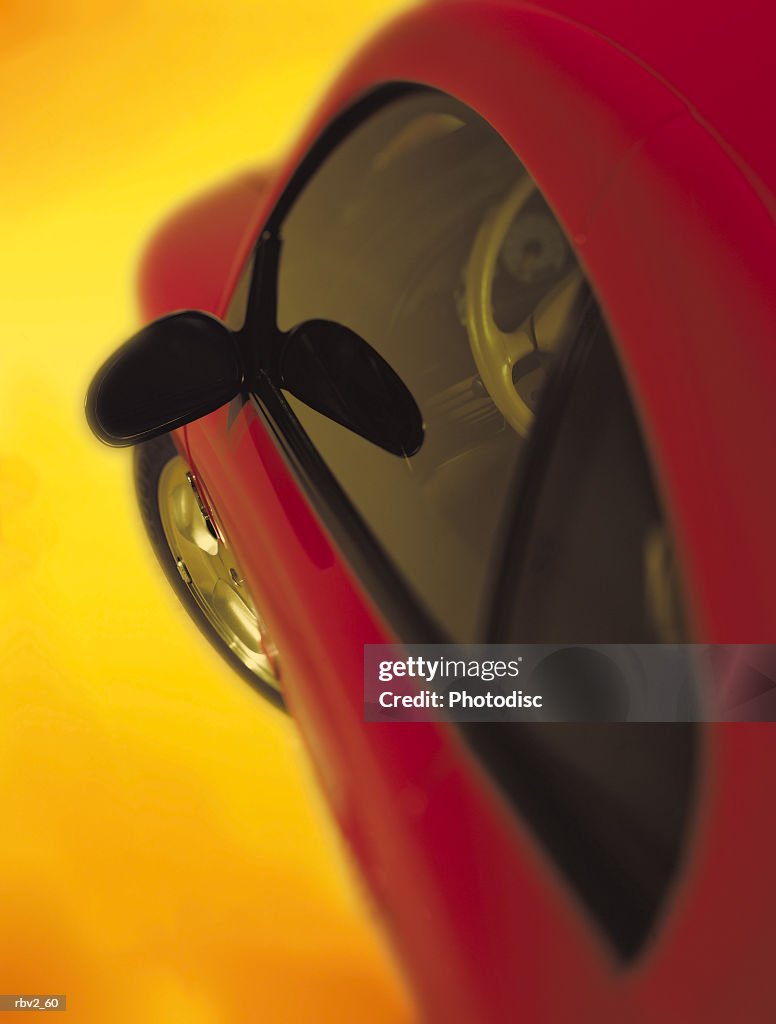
(646, 131)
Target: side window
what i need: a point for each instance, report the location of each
(529, 514)
(590, 558)
(589, 561)
(423, 233)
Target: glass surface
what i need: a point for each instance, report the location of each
(593, 561)
(421, 214)
(424, 234)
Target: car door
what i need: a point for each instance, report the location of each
(419, 229)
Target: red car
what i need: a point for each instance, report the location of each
(492, 357)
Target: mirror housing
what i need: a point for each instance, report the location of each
(185, 365)
(335, 372)
(173, 371)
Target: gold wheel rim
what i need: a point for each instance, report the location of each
(208, 568)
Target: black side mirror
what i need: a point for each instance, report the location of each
(173, 371)
(185, 365)
(334, 371)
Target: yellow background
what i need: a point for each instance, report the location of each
(163, 853)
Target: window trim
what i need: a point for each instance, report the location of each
(383, 584)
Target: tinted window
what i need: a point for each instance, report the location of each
(590, 561)
(590, 555)
(423, 233)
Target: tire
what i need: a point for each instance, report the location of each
(150, 460)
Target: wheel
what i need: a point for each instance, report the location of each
(200, 568)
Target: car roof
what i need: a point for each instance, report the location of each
(717, 58)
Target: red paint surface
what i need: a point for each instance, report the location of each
(653, 149)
